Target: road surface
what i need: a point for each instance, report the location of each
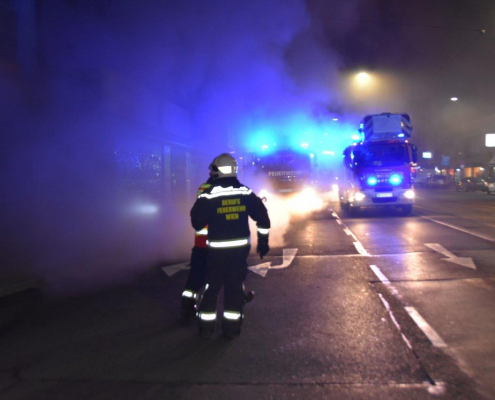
(371, 306)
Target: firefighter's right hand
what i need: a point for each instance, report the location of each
(262, 249)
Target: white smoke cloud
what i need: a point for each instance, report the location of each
(223, 62)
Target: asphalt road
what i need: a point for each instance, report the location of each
(375, 306)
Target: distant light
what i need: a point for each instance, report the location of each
(454, 99)
(312, 155)
(232, 152)
(335, 119)
(363, 78)
(356, 137)
(427, 154)
(264, 147)
(490, 140)
(458, 169)
(304, 145)
(400, 135)
(326, 134)
(147, 209)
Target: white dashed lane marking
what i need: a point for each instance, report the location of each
(430, 333)
(427, 329)
(357, 244)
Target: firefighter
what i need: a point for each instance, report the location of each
(197, 273)
(225, 207)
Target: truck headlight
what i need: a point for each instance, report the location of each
(359, 196)
(310, 192)
(409, 194)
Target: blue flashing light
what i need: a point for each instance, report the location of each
(372, 181)
(312, 155)
(264, 147)
(395, 179)
(400, 135)
(304, 145)
(356, 137)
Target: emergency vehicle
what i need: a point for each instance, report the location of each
(287, 171)
(378, 169)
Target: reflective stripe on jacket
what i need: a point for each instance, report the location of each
(225, 207)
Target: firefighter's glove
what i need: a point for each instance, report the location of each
(262, 249)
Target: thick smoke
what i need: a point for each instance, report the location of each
(97, 95)
(85, 204)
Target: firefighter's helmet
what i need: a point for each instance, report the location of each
(223, 166)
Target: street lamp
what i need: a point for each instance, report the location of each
(363, 78)
(454, 99)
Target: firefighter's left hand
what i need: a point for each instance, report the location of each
(262, 249)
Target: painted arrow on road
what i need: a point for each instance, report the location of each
(173, 269)
(464, 261)
(287, 258)
(260, 269)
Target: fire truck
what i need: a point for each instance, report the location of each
(287, 171)
(378, 168)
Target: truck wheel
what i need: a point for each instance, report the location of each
(407, 209)
(353, 211)
(345, 207)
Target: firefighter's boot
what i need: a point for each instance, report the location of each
(248, 296)
(231, 329)
(187, 307)
(206, 329)
(231, 324)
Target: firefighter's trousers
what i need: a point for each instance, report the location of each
(227, 268)
(197, 273)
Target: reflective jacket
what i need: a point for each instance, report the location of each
(225, 207)
(201, 236)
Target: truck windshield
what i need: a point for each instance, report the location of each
(381, 155)
(286, 162)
